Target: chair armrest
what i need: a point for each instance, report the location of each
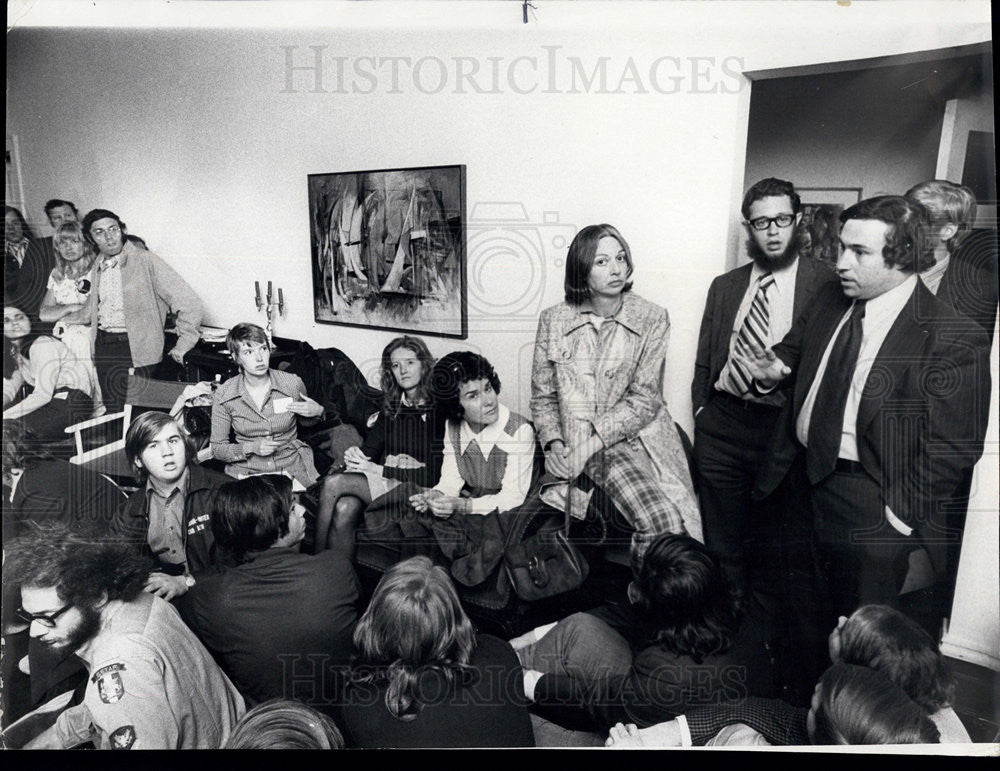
(98, 452)
(94, 422)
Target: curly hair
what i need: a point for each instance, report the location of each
(69, 232)
(413, 624)
(686, 597)
(881, 638)
(82, 570)
(907, 246)
(283, 724)
(251, 514)
(393, 394)
(450, 373)
(580, 261)
(769, 188)
(858, 705)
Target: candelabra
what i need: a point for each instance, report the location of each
(270, 306)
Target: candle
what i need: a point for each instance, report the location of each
(281, 299)
(269, 294)
(256, 289)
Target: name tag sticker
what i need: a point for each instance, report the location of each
(281, 405)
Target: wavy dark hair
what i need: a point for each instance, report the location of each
(413, 624)
(858, 705)
(771, 187)
(450, 373)
(686, 598)
(82, 570)
(580, 260)
(881, 638)
(392, 393)
(907, 246)
(23, 344)
(251, 514)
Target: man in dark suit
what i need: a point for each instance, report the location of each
(733, 423)
(27, 264)
(888, 407)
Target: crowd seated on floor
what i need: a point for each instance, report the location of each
(448, 572)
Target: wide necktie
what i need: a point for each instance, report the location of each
(753, 330)
(826, 424)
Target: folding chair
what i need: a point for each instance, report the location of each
(141, 394)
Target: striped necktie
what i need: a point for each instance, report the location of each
(753, 330)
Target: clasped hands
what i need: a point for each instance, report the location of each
(565, 462)
(437, 503)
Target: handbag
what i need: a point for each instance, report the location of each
(545, 563)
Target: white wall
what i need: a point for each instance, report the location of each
(187, 134)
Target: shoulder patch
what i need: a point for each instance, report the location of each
(122, 738)
(110, 687)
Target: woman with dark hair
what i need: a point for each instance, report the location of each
(61, 386)
(597, 396)
(679, 643)
(67, 295)
(488, 449)
(402, 445)
(423, 678)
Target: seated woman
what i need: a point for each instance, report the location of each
(876, 637)
(261, 407)
(61, 389)
(488, 450)
(597, 395)
(851, 705)
(402, 446)
(67, 296)
(423, 677)
(680, 643)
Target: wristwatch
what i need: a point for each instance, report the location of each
(189, 581)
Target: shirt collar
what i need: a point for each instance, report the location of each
(153, 486)
(888, 304)
(488, 437)
(628, 316)
(120, 259)
(783, 278)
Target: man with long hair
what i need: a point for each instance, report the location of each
(151, 684)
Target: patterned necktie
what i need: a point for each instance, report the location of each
(753, 330)
(826, 424)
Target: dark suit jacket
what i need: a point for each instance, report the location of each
(923, 413)
(24, 287)
(724, 297)
(969, 284)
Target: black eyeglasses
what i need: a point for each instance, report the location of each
(763, 223)
(45, 619)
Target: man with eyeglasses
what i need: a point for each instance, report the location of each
(755, 302)
(151, 684)
(889, 389)
(135, 289)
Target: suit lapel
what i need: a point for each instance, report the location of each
(736, 287)
(899, 352)
(820, 329)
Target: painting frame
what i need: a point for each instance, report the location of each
(388, 249)
(821, 208)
